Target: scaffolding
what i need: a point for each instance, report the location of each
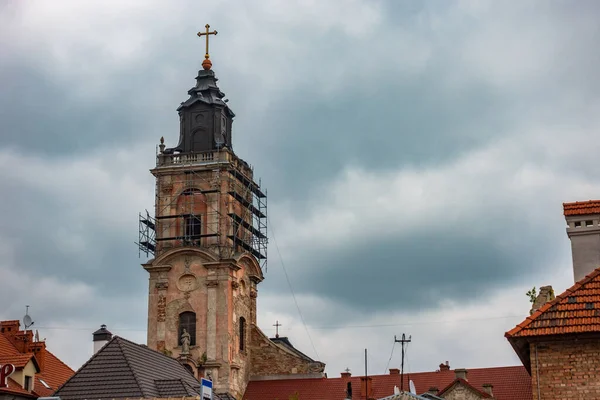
(208, 200)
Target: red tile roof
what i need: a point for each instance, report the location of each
(509, 383)
(582, 207)
(577, 310)
(55, 372)
(15, 388)
(18, 360)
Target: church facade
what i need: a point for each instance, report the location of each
(208, 243)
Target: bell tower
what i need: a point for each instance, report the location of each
(206, 242)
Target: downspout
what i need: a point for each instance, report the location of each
(537, 373)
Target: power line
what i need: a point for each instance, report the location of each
(391, 354)
(291, 289)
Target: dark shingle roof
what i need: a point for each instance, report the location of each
(124, 369)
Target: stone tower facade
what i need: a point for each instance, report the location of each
(208, 241)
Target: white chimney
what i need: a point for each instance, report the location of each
(583, 228)
(101, 337)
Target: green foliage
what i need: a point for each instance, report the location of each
(532, 294)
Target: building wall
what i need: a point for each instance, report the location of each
(270, 359)
(567, 369)
(459, 392)
(28, 370)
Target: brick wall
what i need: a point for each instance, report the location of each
(567, 369)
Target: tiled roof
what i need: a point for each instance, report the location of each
(125, 369)
(582, 207)
(54, 374)
(509, 383)
(17, 359)
(15, 388)
(577, 310)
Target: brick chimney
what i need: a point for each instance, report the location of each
(39, 351)
(9, 329)
(101, 337)
(461, 373)
(545, 295)
(583, 228)
(366, 387)
(23, 340)
(394, 371)
(487, 387)
(346, 374)
(445, 367)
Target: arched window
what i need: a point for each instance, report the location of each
(187, 321)
(242, 333)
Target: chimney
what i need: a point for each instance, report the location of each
(461, 373)
(101, 337)
(487, 387)
(583, 228)
(9, 329)
(39, 351)
(366, 387)
(394, 371)
(433, 390)
(346, 374)
(445, 367)
(545, 295)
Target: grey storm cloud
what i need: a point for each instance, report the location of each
(307, 107)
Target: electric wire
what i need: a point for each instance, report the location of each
(391, 354)
(291, 288)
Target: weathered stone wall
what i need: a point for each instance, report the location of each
(567, 369)
(269, 359)
(460, 392)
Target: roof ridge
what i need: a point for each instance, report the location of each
(533, 317)
(84, 364)
(59, 360)
(467, 384)
(125, 356)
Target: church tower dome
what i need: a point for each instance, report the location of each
(206, 242)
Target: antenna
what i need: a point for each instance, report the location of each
(27, 321)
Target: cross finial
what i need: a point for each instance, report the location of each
(277, 325)
(206, 64)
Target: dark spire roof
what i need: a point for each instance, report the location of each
(102, 334)
(206, 91)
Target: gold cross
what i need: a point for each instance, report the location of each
(207, 33)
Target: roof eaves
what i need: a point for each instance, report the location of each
(516, 330)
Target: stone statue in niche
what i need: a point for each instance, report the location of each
(185, 342)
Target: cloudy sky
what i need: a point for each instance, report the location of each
(416, 156)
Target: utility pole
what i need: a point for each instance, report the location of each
(403, 341)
